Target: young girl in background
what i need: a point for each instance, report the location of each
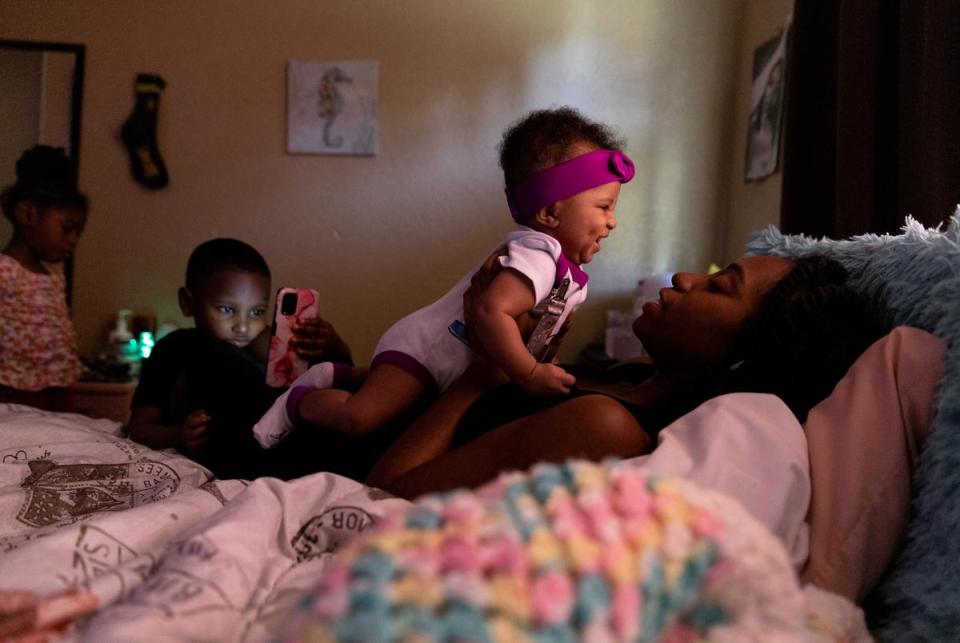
(38, 347)
(563, 174)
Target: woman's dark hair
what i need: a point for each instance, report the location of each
(46, 178)
(217, 254)
(811, 328)
(543, 138)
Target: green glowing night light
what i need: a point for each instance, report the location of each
(146, 344)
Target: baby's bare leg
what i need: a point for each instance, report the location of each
(388, 392)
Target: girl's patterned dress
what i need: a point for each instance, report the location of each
(38, 345)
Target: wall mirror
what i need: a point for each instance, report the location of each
(41, 93)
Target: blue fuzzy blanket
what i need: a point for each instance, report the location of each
(918, 273)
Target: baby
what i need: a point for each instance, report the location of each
(563, 174)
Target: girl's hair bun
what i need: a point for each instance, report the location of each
(46, 177)
(46, 168)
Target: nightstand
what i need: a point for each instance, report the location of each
(109, 400)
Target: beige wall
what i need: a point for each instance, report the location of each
(35, 104)
(381, 236)
(57, 102)
(752, 205)
(22, 73)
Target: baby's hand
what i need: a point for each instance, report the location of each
(193, 433)
(315, 338)
(548, 379)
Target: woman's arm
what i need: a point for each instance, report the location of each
(431, 435)
(592, 427)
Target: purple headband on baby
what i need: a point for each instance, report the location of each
(571, 177)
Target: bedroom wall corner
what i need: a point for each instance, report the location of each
(751, 205)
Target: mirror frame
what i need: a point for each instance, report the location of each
(76, 105)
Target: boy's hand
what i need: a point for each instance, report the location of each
(193, 433)
(314, 339)
(547, 379)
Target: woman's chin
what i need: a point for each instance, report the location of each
(650, 310)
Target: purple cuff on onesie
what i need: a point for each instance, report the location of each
(566, 179)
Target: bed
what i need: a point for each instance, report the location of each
(107, 540)
(102, 539)
(156, 547)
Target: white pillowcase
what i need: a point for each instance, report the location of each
(750, 447)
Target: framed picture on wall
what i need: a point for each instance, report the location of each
(332, 107)
(766, 108)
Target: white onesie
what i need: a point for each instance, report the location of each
(430, 343)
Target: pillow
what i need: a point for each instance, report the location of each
(918, 273)
(715, 446)
(863, 443)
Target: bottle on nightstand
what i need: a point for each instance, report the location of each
(122, 346)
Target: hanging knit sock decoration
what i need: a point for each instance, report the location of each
(139, 134)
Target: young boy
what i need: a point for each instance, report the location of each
(203, 388)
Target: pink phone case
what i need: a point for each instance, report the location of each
(283, 364)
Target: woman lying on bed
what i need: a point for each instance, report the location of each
(764, 324)
(836, 491)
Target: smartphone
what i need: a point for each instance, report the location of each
(283, 363)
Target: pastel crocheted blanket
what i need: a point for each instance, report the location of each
(593, 552)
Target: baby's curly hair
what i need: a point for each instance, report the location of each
(46, 178)
(545, 137)
(811, 328)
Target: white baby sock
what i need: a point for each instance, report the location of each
(276, 423)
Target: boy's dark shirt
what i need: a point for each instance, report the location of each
(168, 377)
(190, 370)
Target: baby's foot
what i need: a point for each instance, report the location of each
(276, 423)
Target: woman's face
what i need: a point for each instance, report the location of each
(695, 324)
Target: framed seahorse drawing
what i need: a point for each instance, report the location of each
(332, 107)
